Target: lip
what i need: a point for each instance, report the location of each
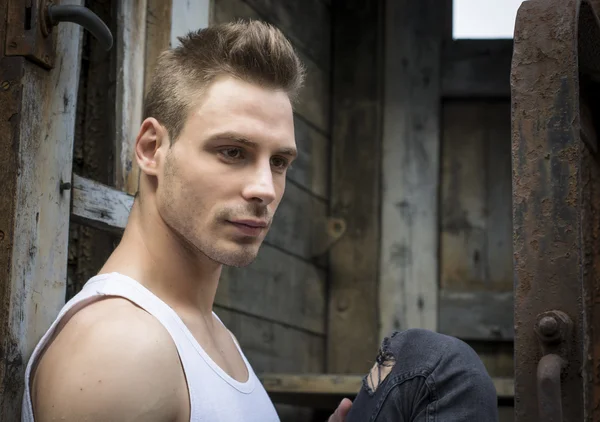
(249, 227)
(251, 223)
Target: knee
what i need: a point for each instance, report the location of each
(439, 353)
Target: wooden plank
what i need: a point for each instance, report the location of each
(463, 249)
(314, 99)
(476, 68)
(36, 144)
(97, 205)
(306, 23)
(477, 315)
(272, 347)
(410, 159)
(130, 47)
(497, 356)
(296, 222)
(353, 319)
(342, 385)
(278, 287)
(476, 240)
(158, 35)
(311, 168)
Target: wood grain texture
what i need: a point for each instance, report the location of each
(37, 139)
(476, 240)
(272, 347)
(100, 206)
(477, 315)
(296, 222)
(337, 383)
(307, 23)
(476, 248)
(411, 154)
(130, 49)
(356, 137)
(277, 287)
(311, 168)
(314, 99)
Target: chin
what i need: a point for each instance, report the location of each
(241, 257)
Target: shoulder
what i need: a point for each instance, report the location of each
(112, 359)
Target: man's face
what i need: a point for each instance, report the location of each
(224, 177)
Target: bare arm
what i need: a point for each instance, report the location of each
(111, 361)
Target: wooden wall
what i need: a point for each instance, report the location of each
(446, 207)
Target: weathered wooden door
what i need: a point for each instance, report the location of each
(39, 72)
(555, 82)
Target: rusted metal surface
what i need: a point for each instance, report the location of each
(556, 201)
(554, 330)
(548, 384)
(25, 37)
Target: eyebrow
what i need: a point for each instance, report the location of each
(235, 137)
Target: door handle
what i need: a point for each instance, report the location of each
(80, 15)
(553, 329)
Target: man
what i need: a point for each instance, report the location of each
(140, 341)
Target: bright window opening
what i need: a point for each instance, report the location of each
(477, 19)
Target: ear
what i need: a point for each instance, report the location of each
(152, 139)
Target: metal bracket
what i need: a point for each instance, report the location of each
(553, 329)
(24, 35)
(30, 23)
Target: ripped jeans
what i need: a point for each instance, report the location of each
(422, 376)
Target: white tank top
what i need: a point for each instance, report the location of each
(214, 395)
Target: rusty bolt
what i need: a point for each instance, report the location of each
(5, 85)
(13, 44)
(548, 326)
(46, 59)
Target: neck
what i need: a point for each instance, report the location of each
(151, 253)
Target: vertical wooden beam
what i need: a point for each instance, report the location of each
(411, 161)
(189, 15)
(130, 50)
(356, 136)
(37, 119)
(158, 35)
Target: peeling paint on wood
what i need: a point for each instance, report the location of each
(41, 134)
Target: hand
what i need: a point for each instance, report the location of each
(341, 412)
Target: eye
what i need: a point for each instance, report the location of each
(232, 153)
(279, 162)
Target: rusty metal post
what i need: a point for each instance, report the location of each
(556, 202)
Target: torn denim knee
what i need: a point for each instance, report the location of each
(384, 362)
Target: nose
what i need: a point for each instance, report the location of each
(260, 186)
